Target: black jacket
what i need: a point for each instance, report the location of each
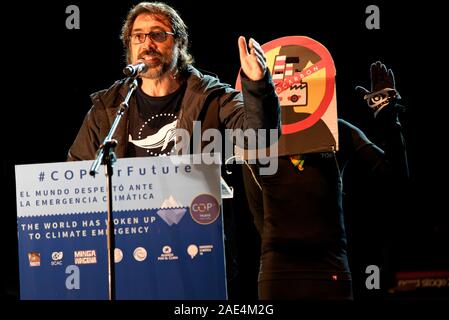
(206, 99)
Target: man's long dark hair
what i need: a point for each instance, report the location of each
(171, 15)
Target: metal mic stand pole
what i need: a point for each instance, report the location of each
(106, 156)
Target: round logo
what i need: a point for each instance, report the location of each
(192, 250)
(55, 256)
(303, 73)
(204, 209)
(118, 255)
(140, 254)
(166, 249)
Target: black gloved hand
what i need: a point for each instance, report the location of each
(383, 91)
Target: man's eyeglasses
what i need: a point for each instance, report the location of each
(157, 36)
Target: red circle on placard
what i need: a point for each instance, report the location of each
(328, 64)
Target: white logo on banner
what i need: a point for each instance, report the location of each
(171, 211)
(140, 254)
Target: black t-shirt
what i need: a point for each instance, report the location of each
(152, 124)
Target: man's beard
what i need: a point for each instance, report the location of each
(160, 67)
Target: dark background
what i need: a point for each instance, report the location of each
(50, 72)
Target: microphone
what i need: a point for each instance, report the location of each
(132, 70)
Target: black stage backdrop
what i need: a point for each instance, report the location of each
(50, 71)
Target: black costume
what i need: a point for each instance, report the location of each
(299, 214)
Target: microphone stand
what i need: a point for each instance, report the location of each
(106, 156)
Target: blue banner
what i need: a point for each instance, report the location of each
(167, 225)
